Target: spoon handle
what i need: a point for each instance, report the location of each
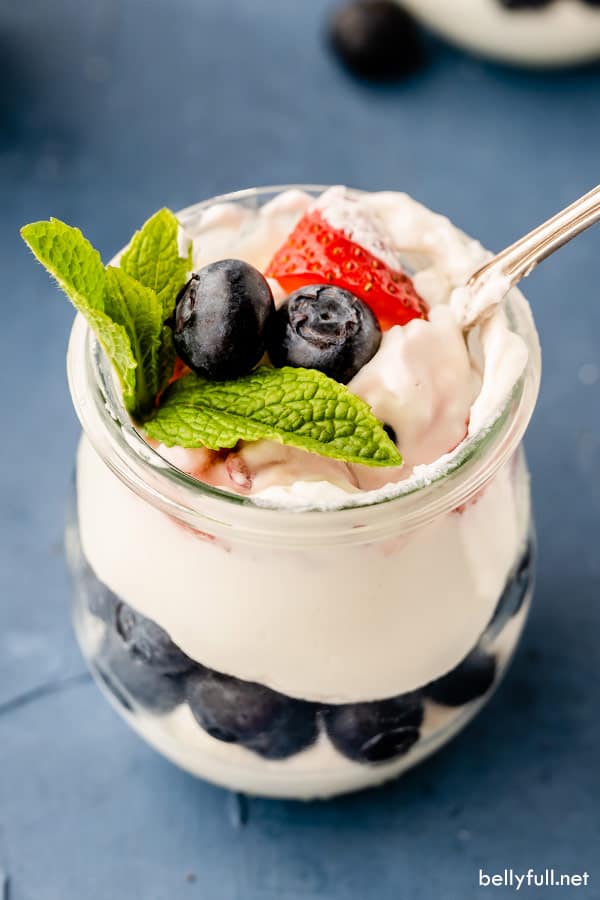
(488, 285)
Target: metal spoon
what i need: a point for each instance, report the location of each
(487, 287)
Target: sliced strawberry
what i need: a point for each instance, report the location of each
(317, 253)
(179, 370)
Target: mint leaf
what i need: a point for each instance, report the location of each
(139, 311)
(115, 343)
(71, 259)
(78, 269)
(126, 317)
(299, 407)
(152, 258)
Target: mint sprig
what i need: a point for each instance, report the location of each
(139, 311)
(126, 313)
(299, 407)
(152, 258)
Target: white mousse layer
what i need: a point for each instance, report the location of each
(339, 623)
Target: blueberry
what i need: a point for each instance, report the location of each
(242, 712)
(220, 319)
(515, 591)
(130, 678)
(326, 328)
(375, 732)
(98, 598)
(472, 678)
(101, 601)
(114, 687)
(376, 39)
(150, 643)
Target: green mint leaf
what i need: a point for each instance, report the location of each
(78, 269)
(117, 346)
(299, 407)
(153, 259)
(71, 259)
(139, 311)
(126, 317)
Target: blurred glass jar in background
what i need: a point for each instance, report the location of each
(546, 33)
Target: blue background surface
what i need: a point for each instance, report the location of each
(112, 109)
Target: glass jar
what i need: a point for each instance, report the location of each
(295, 654)
(555, 33)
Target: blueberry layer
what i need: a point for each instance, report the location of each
(140, 665)
(518, 585)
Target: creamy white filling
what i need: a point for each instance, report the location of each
(562, 32)
(338, 623)
(421, 382)
(231, 230)
(347, 212)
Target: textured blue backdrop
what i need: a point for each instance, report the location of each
(109, 110)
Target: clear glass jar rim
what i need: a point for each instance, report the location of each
(201, 506)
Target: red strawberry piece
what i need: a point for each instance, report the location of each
(317, 253)
(179, 370)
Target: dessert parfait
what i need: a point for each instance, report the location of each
(301, 538)
(530, 32)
